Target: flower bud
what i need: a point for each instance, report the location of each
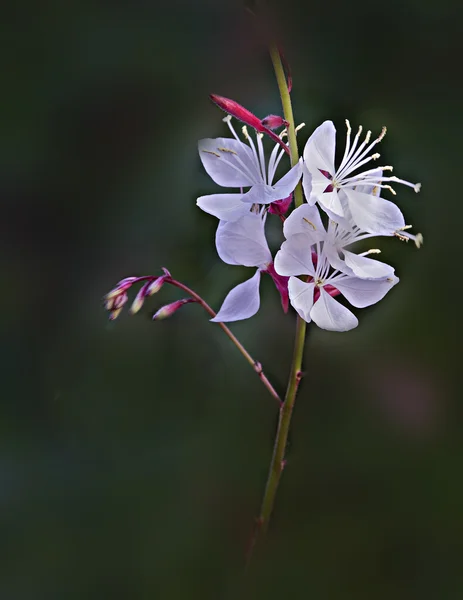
(274, 121)
(139, 298)
(155, 286)
(169, 309)
(280, 207)
(236, 110)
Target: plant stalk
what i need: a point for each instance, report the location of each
(286, 410)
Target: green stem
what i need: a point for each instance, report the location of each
(286, 410)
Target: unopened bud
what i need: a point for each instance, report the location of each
(236, 110)
(114, 314)
(155, 286)
(280, 207)
(246, 116)
(169, 309)
(139, 299)
(274, 122)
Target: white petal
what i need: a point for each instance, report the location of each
(306, 181)
(329, 314)
(243, 242)
(364, 292)
(228, 207)
(371, 188)
(301, 297)
(332, 254)
(295, 257)
(320, 148)
(220, 159)
(265, 194)
(374, 214)
(305, 219)
(367, 268)
(331, 203)
(241, 302)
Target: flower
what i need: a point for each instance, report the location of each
(309, 250)
(232, 163)
(337, 190)
(243, 242)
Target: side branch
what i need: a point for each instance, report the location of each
(257, 366)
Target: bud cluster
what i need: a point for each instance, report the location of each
(116, 299)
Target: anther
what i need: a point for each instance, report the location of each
(382, 134)
(283, 133)
(388, 187)
(417, 187)
(299, 127)
(349, 129)
(405, 227)
(387, 168)
(419, 240)
(227, 119)
(368, 136)
(244, 129)
(373, 251)
(375, 156)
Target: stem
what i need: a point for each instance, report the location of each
(254, 363)
(286, 410)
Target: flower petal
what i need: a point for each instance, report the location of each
(374, 214)
(331, 203)
(227, 207)
(223, 157)
(307, 183)
(241, 302)
(301, 297)
(243, 242)
(305, 219)
(367, 268)
(266, 194)
(329, 314)
(370, 188)
(295, 257)
(320, 148)
(364, 292)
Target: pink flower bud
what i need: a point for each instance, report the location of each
(274, 121)
(139, 298)
(280, 207)
(239, 112)
(243, 114)
(154, 287)
(114, 314)
(169, 309)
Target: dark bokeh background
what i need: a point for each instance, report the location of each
(133, 454)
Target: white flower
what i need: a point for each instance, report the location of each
(306, 220)
(314, 299)
(232, 163)
(337, 190)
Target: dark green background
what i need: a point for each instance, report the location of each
(133, 454)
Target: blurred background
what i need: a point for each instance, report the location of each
(133, 454)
